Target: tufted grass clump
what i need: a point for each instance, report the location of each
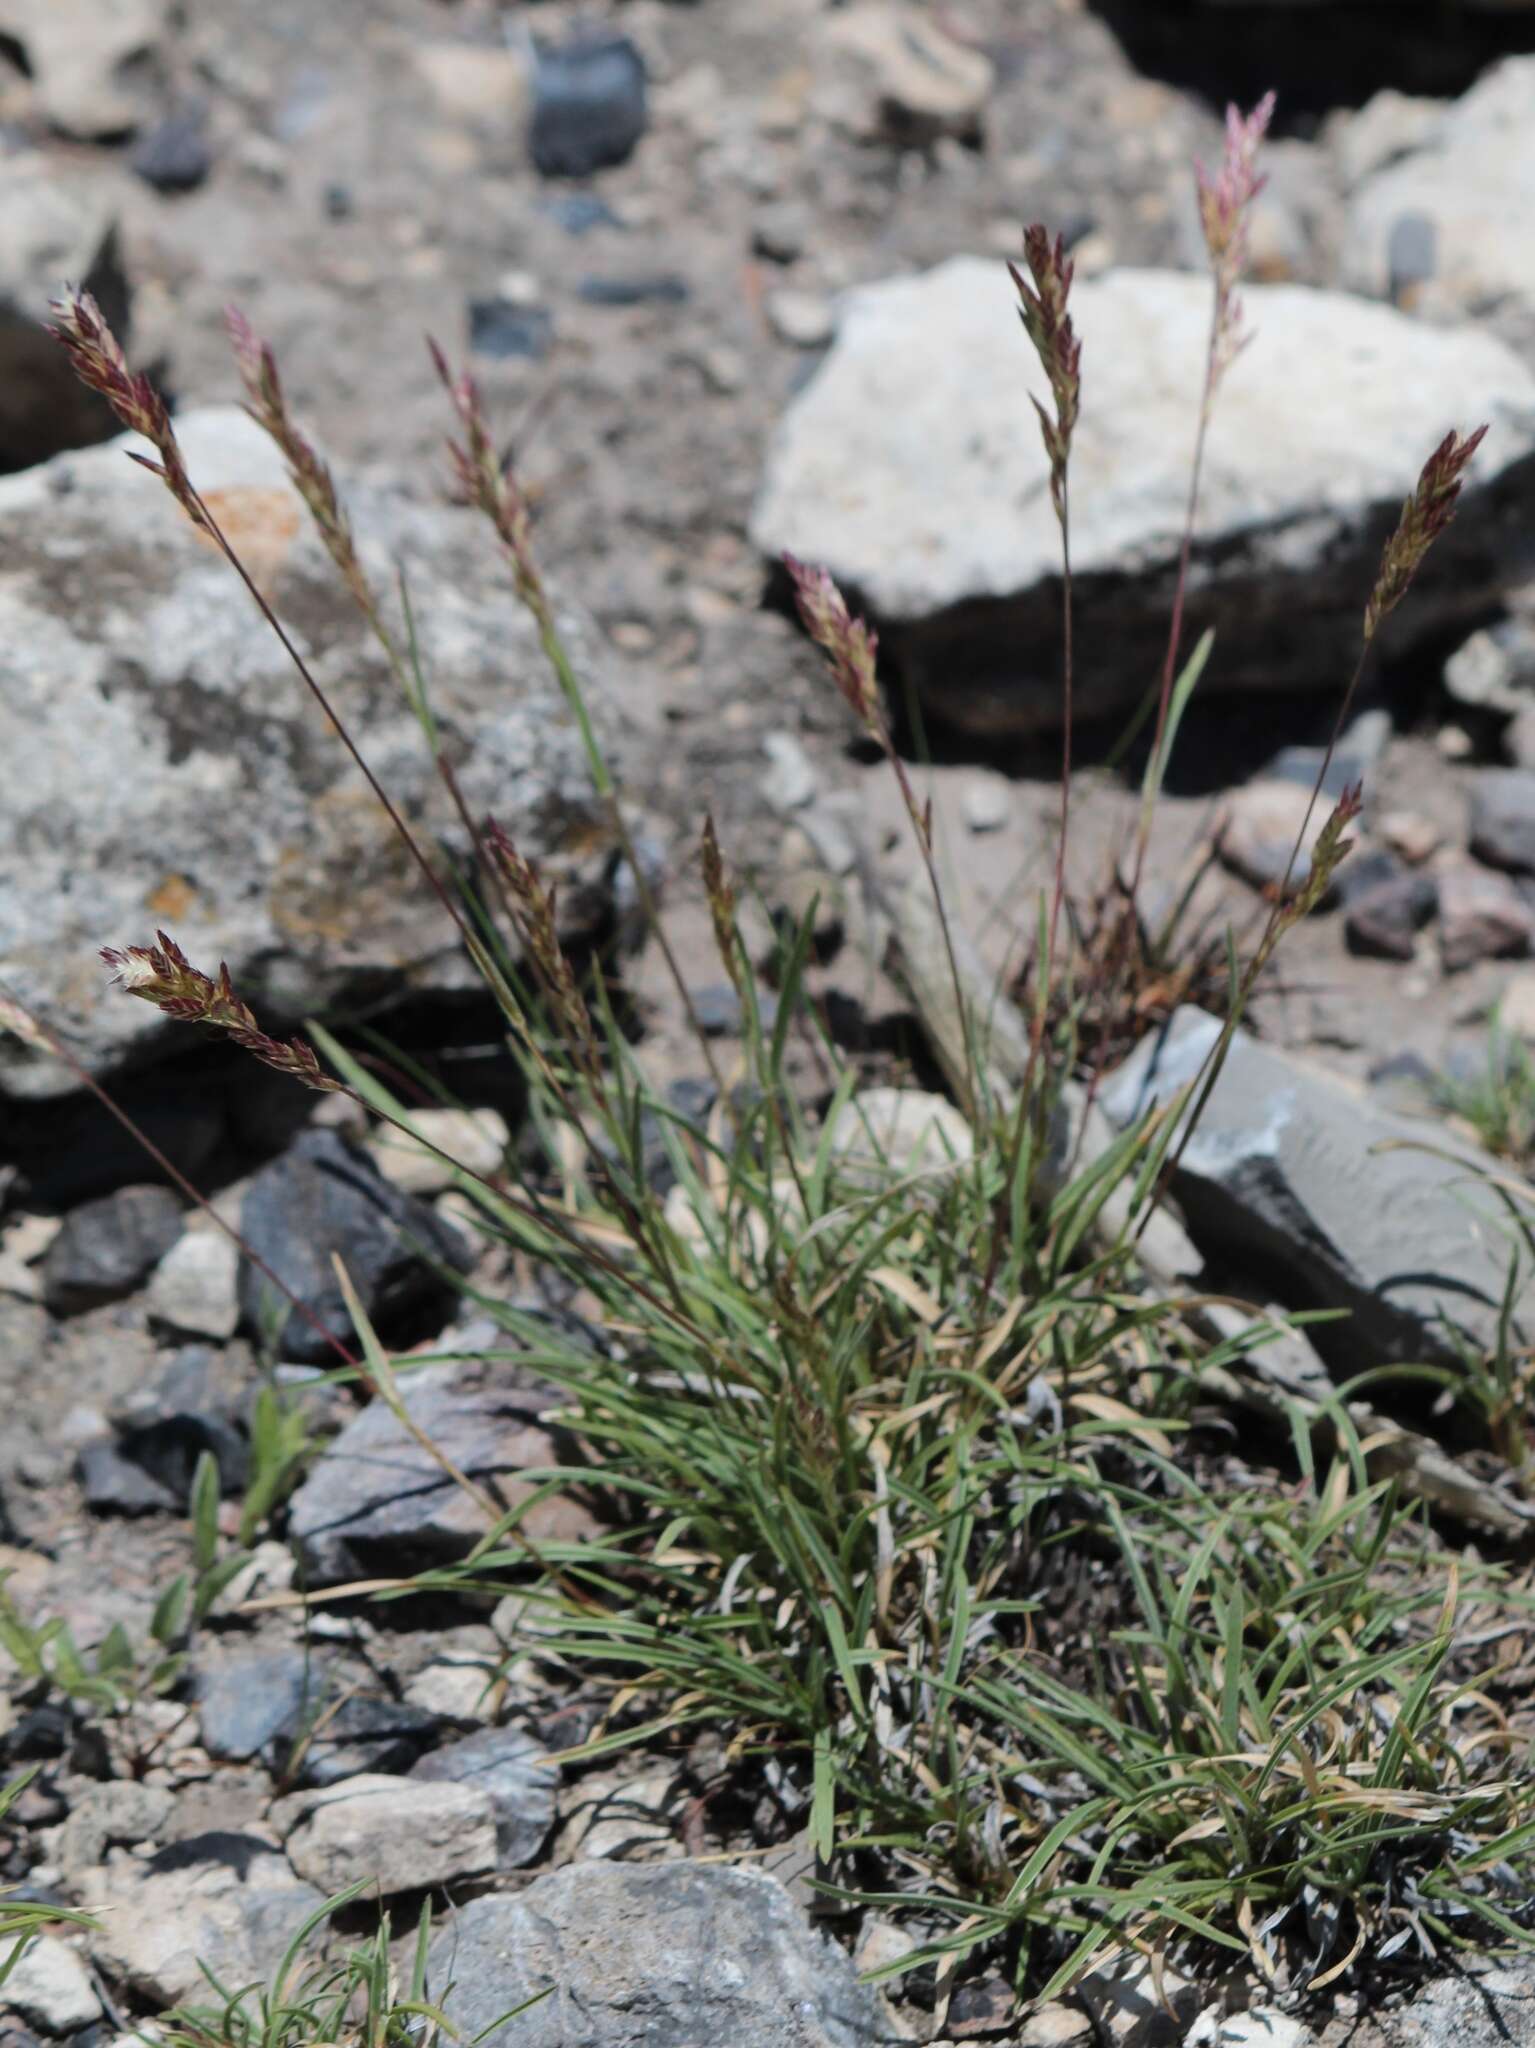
(920, 1515)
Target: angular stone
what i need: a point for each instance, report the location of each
(635, 1956)
(227, 1901)
(1495, 668)
(53, 226)
(1293, 1176)
(50, 1987)
(1482, 916)
(321, 1201)
(166, 765)
(1260, 826)
(908, 466)
(376, 1504)
(193, 1289)
(901, 1131)
(1384, 919)
(476, 1138)
(589, 104)
(106, 1248)
(1503, 818)
(75, 51)
(517, 1773)
(1470, 174)
(887, 72)
(396, 1832)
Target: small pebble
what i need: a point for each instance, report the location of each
(804, 319)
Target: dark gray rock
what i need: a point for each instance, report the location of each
(376, 1504)
(107, 1248)
(174, 155)
(114, 1485)
(322, 1199)
(166, 1453)
(1503, 818)
(661, 1955)
(248, 1700)
(518, 1773)
(366, 1734)
(589, 106)
(1386, 905)
(665, 288)
(507, 331)
(1331, 1198)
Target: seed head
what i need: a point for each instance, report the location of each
(1425, 516)
(1042, 309)
(1225, 205)
(484, 482)
(849, 645)
(98, 361)
(267, 404)
(162, 974)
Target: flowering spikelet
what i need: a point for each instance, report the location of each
(1225, 202)
(722, 901)
(848, 644)
(533, 912)
(163, 975)
(1042, 309)
(267, 405)
(483, 482)
(98, 361)
(1425, 516)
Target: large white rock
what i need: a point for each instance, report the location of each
(911, 466)
(165, 766)
(1471, 178)
(402, 1833)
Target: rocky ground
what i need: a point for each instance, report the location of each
(731, 276)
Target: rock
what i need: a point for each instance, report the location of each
(1257, 834)
(790, 781)
(1516, 1006)
(168, 739)
(1495, 668)
(1291, 1174)
(250, 1700)
(1503, 818)
(193, 1289)
(900, 1131)
(1481, 917)
(401, 1834)
(227, 1901)
(321, 1200)
(889, 73)
(174, 156)
(74, 52)
(1519, 739)
(636, 1955)
(1265, 2026)
(114, 1485)
(484, 85)
(518, 1775)
(152, 1465)
(987, 806)
(507, 331)
(1410, 834)
(1486, 2005)
(376, 1503)
(1385, 905)
(781, 231)
(1135, 2004)
(53, 227)
(1056, 2026)
(589, 106)
(50, 1987)
(119, 1811)
(107, 1248)
(627, 1815)
(908, 466)
(803, 319)
(1470, 177)
(476, 1138)
(364, 1734)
